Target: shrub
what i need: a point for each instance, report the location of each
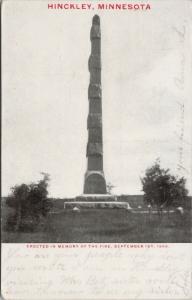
(163, 189)
(30, 203)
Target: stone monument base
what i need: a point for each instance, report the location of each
(95, 201)
(96, 197)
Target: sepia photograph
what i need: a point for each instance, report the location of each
(96, 123)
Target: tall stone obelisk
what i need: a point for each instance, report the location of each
(94, 177)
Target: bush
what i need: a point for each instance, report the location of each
(163, 189)
(30, 203)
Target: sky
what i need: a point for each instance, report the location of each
(146, 71)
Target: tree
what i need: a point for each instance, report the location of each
(161, 189)
(17, 200)
(30, 201)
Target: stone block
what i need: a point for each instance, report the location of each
(95, 32)
(94, 62)
(96, 198)
(95, 135)
(95, 76)
(94, 121)
(94, 91)
(94, 149)
(95, 162)
(95, 106)
(95, 183)
(94, 205)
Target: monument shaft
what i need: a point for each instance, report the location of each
(94, 177)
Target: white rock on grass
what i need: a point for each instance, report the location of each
(180, 210)
(76, 208)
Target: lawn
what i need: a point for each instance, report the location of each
(106, 226)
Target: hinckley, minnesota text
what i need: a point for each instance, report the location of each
(99, 6)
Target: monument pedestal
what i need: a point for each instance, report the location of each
(86, 201)
(96, 198)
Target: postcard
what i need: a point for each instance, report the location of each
(96, 149)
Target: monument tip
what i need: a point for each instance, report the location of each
(96, 20)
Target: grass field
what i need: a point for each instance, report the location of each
(106, 226)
